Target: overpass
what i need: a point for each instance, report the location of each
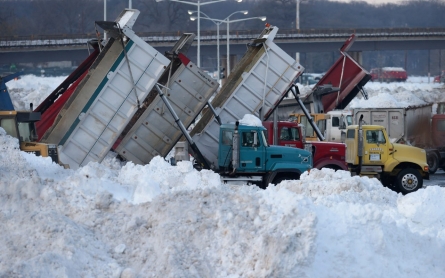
(45, 48)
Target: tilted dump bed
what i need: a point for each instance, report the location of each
(266, 73)
(156, 132)
(346, 75)
(107, 98)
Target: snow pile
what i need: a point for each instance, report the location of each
(157, 220)
(37, 89)
(250, 120)
(123, 220)
(399, 95)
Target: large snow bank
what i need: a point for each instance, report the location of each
(114, 220)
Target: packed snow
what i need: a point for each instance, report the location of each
(114, 219)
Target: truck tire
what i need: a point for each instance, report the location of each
(408, 180)
(433, 162)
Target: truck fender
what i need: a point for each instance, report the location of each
(330, 163)
(271, 176)
(393, 164)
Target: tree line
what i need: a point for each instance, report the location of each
(57, 17)
(48, 17)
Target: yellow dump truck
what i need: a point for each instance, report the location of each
(370, 153)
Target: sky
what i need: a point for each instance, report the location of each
(114, 219)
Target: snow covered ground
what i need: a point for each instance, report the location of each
(116, 220)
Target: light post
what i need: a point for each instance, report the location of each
(198, 5)
(262, 18)
(217, 22)
(192, 18)
(297, 25)
(297, 19)
(129, 4)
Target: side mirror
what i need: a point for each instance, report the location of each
(342, 122)
(343, 137)
(255, 139)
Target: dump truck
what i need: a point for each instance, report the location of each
(413, 125)
(139, 102)
(329, 124)
(109, 95)
(371, 153)
(21, 124)
(329, 98)
(261, 79)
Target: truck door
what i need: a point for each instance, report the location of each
(375, 147)
(252, 151)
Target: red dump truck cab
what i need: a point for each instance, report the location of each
(325, 154)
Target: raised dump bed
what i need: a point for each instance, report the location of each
(259, 82)
(156, 131)
(341, 83)
(107, 98)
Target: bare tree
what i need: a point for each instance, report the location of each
(6, 15)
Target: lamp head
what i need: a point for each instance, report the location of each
(193, 18)
(245, 12)
(189, 11)
(159, 0)
(239, 1)
(263, 18)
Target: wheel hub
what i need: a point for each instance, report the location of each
(409, 181)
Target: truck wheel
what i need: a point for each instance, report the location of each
(408, 180)
(433, 162)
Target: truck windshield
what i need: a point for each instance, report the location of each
(27, 131)
(263, 137)
(9, 126)
(309, 131)
(375, 137)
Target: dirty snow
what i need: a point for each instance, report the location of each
(124, 220)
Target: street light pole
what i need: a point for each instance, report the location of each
(217, 39)
(262, 18)
(225, 20)
(228, 49)
(105, 18)
(129, 4)
(297, 20)
(297, 25)
(198, 5)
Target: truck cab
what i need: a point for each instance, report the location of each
(371, 153)
(330, 124)
(325, 154)
(245, 150)
(21, 125)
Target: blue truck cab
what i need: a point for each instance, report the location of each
(244, 151)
